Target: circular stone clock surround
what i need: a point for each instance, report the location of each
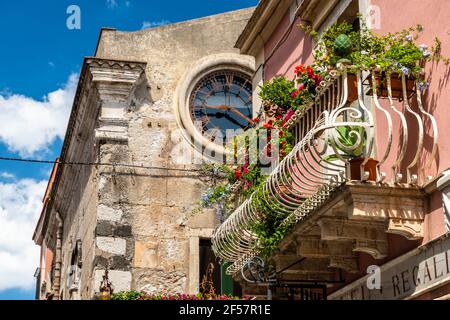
(228, 61)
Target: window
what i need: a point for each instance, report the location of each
(223, 283)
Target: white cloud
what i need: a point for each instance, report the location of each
(127, 4)
(154, 24)
(111, 4)
(7, 175)
(28, 125)
(20, 207)
(51, 64)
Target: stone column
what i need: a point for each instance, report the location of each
(115, 82)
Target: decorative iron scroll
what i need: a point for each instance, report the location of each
(255, 271)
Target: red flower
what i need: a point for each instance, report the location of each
(281, 134)
(278, 117)
(256, 120)
(301, 87)
(299, 70)
(238, 173)
(245, 170)
(310, 72)
(268, 125)
(295, 93)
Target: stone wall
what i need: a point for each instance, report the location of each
(76, 198)
(137, 222)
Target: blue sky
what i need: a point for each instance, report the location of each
(40, 60)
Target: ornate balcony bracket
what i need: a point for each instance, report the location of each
(349, 264)
(401, 207)
(377, 249)
(356, 218)
(369, 236)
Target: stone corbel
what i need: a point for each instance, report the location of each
(317, 248)
(370, 236)
(402, 208)
(349, 264)
(115, 82)
(411, 229)
(339, 253)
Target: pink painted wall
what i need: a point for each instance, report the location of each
(434, 16)
(295, 50)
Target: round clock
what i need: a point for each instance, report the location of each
(220, 103)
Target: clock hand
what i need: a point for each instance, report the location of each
(236, 111)
(220, 115)
(222, 107)
(234, 121)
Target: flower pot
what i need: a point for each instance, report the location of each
(352, 82)
(396, 84)
(370, 166)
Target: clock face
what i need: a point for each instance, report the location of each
(222, 101)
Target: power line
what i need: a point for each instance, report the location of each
(97, 164)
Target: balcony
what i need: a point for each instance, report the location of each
(332, 205)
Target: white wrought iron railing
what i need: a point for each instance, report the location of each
(307, 176)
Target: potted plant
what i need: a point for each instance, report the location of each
(353, 152)
(399, 56)
(394, 54)
(396, 85)
(338, 45)
(276, 95)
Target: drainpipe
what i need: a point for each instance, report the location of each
(58, 257)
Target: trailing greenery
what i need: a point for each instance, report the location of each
(269, 229)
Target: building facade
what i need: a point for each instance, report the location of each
(350, 231)
(148, 110)
(122, 196)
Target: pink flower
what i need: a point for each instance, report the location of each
(288, 115)
(317, 79)
(301, 87)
